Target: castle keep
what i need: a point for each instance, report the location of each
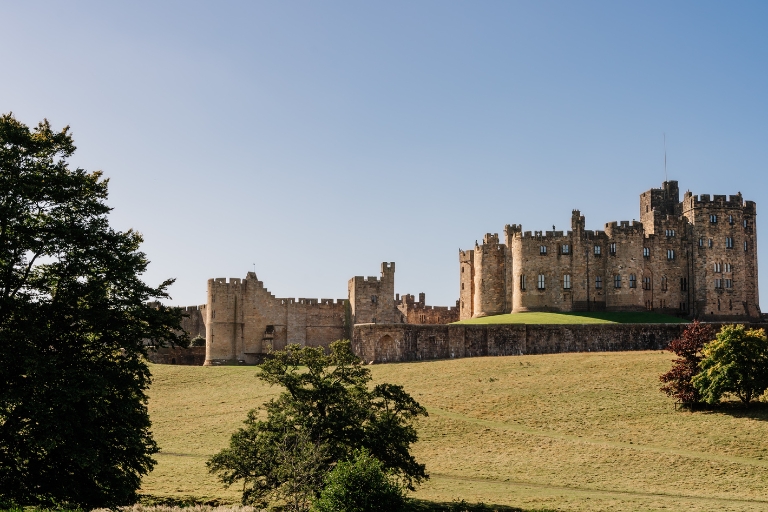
(696, 257)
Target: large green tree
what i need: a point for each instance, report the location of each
(326, 400)
(75, 324)
(736, 362)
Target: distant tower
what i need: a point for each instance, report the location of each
(372, 299)
(490, 270)
(224, 321)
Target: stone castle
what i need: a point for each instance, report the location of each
(695, 258)
(241, 320)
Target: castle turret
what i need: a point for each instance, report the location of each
(490, 273)
(372, 299)
(224, 321)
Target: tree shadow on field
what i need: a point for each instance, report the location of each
(755, 411)
(462, 506)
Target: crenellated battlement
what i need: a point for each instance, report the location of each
(624, 227)
(716, 200)
(545, 235)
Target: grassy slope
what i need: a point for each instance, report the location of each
(639, 317)
(569, 431)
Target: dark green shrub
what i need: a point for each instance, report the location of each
(361, 485)
(197, 341)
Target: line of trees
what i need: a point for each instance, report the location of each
(709, 366)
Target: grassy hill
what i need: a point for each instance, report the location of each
(583, 431)
(634, 317)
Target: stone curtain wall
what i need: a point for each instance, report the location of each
(386, 343)
(192, 356)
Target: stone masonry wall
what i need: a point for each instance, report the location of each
(387, 343)
(413, 312)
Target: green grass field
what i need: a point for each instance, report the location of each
(582, 431)
(639, 317)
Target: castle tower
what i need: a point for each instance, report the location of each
(723, 255)
(657, 203)
(372, 299)
(490, 273)
(466, 284)
(224, 322)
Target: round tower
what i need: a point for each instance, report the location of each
(518, 277)
(223, 321)
(490, 287)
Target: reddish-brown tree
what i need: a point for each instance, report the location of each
(677, 381)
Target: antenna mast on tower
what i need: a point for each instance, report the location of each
(665, 157)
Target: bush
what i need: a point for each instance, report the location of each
(678, 380)
(361, 485)
(197, 341)
(735, 362)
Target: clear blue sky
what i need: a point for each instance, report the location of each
(318, 139)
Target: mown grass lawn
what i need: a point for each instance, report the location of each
(634, 317)
(580, 431)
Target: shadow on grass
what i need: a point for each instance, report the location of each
(463, 506)
(754, 411)
(629, 317)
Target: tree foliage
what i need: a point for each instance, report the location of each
(74, 428)
(735, 362)
(326, 397)
(360, 485)
(678, 380)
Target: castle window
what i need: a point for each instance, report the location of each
(730, 220)
(728, 242)
(670, 232)
(683, 284)
(718, 304)
(612, 248)
(646, 283)
(670, 254)
(729, 283)
(745, 222)
(462, 286)
(646, 252)
(373, 299)
(543, 250)
(663, 284)
(617, 281)
(718, 284)
(566, 249)
(728, 267)
(710, 243)
(632, 281)
(462, 269)
(522, 283)
(713, 219)
(701, 242)
(567, 282)
(730, 304)
(718, 267)
(540, 283)
(598, 282)
(745, 246)
(597, 250)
